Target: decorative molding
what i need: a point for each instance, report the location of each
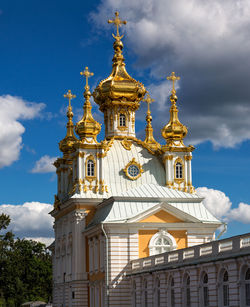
(137, 165)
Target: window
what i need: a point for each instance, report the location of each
(172, 294)
(204, 290)
(161, 242)
(224, 289)
(178, 171)
(134, 294)
(186, 291)
(157, 299)
(122, 119)
(247, 287)
(145, 293)
(90, 168)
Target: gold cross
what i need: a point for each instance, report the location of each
(117, 22)
(148, 100)
(173, 78)
(70, 96)
(87, 74)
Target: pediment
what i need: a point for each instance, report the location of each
(163, 213)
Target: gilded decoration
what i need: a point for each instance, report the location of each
(174, 132)
(119, 89)
(133, 170)
(87, 176)
(67, 144)
(57, 203)
(149, 140)
(87, 128)
(126, 144)
(188, 158)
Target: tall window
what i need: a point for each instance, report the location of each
(157, 299)
(90, 168)
(145, 293)
(247, 287)
(178, 170)
(161, 242)
(204, 290)
(172, 294)
(225, 289)
(186, 291)
(122, 119)
(134, 294)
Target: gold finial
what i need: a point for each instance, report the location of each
(70, 96)
(117, 22)
(87, 75)
(148, 100)
(67, 144)
(173, 78)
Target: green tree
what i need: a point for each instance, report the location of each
(25, 266)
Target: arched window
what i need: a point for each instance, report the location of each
(134, 294)
(122, 120)
(172, 293)
(161, 242)
(157, 296)
(246, 284)
(90, 168)
(223, 289)
(145, 293)
(178, 170)
(186, 291)
(204, 290)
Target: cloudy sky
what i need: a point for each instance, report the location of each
(44, 46)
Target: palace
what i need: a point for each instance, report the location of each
(128, 221)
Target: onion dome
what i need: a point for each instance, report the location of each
(149, 140)
(174, 130)
(119, 88)
(87, 127)
(67, 144)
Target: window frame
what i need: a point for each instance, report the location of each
(92, 176)
(164, 235)
(180, 162)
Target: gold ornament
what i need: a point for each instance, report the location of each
(67, 144)
(87, 127)
(137, 165)
(149, 140)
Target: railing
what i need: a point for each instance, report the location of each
(234, 245)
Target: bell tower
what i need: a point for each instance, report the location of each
(119, 95)
(177, 157)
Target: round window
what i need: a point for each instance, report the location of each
(133, 170)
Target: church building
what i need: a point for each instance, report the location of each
(122, 200)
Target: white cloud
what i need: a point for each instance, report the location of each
(221, 207)
(215, 201)
(206, 43)
(44, 165)
(30, 219)
(46, 241)
(14, 109)
(240, 214)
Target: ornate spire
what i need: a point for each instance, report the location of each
(119, 86)
(149, 140)
(87, 127)
(67, 144)
(174, 132)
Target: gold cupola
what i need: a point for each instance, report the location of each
(67, 144)
(119, 93)
(174, 132)
(87, 128)
(149, 139)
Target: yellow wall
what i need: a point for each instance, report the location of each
(145, 236)
(161, 217)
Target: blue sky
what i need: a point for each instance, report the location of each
(45, 45)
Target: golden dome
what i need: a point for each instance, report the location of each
(119, 88)
(174, 130)
(87, 127)
(67, 144)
